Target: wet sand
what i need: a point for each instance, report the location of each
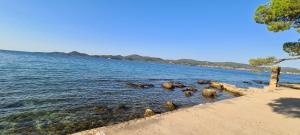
(260, 112)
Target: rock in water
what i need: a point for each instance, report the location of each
(258, 81)
(168, 85)
(188, 93)
(247, 82)
(209, 93)
(216, 85)
(192, 89)
(203, 81)
(148, 113)
(178, 85)
(140, 85)
(170, 105)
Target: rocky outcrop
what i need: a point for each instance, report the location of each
(148, 113)
(170, 105)
(209, 93)
(168, 85)
(216, 85)
(228, 87)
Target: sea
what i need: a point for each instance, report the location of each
(55, 93)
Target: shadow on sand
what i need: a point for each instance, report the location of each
(287, 106)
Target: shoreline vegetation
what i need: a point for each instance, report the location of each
(189, 62)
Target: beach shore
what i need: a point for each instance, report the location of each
(260, 112)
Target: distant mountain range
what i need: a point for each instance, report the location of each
(224, 65)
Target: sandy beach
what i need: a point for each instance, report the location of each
(260, 112)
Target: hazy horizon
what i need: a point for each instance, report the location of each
(217, 31)
(127, 55)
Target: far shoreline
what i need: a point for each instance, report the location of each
(205, 64)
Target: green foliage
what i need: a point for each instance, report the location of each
(257, 62)
(279, 15)
(292, 48)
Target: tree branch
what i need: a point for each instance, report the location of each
(285, 59)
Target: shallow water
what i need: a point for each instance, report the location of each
(59, 94)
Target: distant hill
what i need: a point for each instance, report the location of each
(225, 65)
(135, 57)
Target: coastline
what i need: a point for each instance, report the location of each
(187, 62)
(260, 112)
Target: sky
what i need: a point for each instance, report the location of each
(212, 30)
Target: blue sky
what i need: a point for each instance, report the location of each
(213, 30)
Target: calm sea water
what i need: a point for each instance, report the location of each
(60, 94)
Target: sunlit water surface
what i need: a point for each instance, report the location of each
(59, 94)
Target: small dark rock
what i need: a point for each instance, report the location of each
(99, 109)
(207, 87)
(121, 108)
(247, 82)
(258, 81)
(140, 85)
(178, 85)
(188, 93)
(192, 89)
(203, 81)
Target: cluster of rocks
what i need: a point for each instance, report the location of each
(172, 85)
(188, 90)
(169, 105)
(209, 92)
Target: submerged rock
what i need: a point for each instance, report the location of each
(209, 93)
(247, 82)
(178, 85)
(140, 85)
(192, 89)
(148, 113)
(168, 85)
(258, 81)
(203, 81)
(188, 93)
(120, 109)
(170, 105)
(99, 109)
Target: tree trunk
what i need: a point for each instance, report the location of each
(274, 77)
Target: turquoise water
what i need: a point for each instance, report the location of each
(58, 94)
